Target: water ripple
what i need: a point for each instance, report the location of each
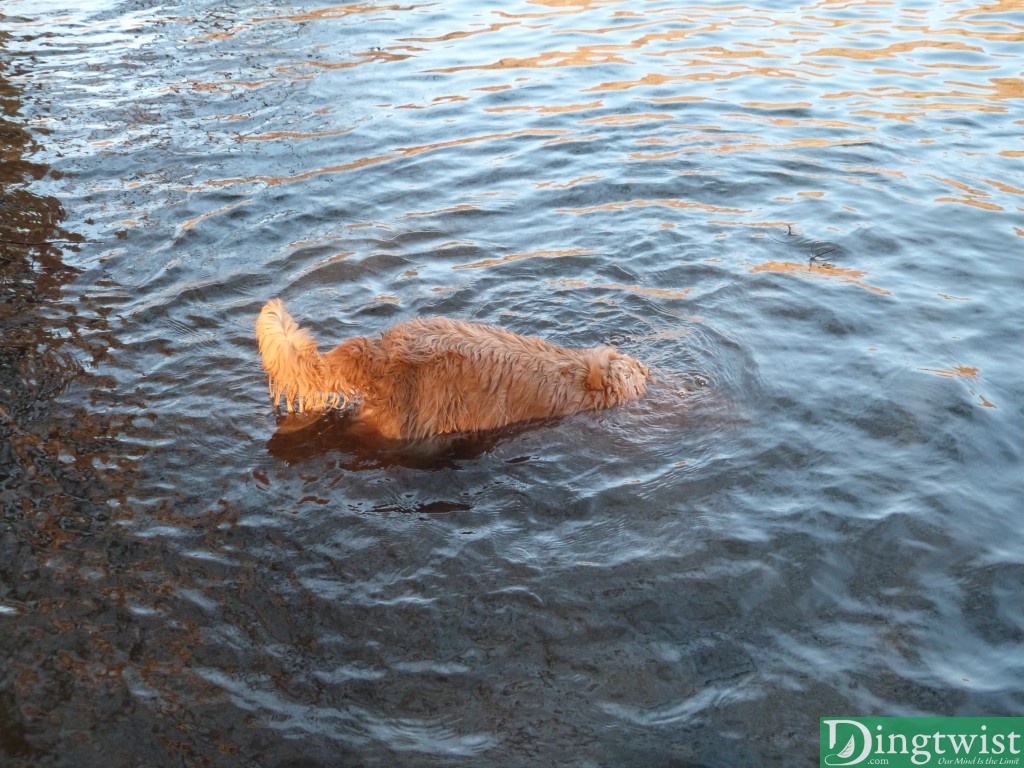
(803, 218)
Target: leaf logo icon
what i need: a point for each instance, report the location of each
(848, 749)
(846, 756)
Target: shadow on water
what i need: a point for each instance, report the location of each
(301, 437)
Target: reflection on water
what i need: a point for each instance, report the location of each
(300, 437)
(825, 270)
(804, 218)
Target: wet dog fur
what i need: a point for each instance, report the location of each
(439, 376)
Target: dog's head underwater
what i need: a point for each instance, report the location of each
(439, 376)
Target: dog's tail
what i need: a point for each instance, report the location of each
(297, 371)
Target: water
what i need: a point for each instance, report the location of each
(807, 218)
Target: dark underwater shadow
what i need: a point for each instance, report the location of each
(301, 437)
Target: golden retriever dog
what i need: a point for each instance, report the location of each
(438, 376)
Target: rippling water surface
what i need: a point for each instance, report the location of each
(806, 217)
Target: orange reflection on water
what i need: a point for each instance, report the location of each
(664, 203)
(210, 214)
(678, 99)
(549, 254)
(970, 196)
(959, 371)
(457, 35)
(892, 51)
(780, 105)
(923, 101)
(789, 122)
(587, 55)
(822, 272)
(962, 372)
(793, 144)
(461, 208)
(546, 110)
(573, 139)
(699, 75)
(230, 86)
(875, 169)
(628, 119)
(453, 99)
(754, 224)
(659, 293)
(1002, 187)
(652, 79)
(566, 184)
(366, 57)
(968, 200)
(275, 135)
(416, 150)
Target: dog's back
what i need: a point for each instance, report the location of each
(456, 376)
(438, 376)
